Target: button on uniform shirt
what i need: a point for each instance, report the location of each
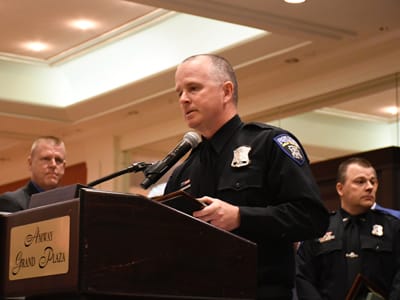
(263, 170)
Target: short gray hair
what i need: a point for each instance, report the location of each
(223, 70)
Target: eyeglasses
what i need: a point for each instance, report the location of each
(48, 160)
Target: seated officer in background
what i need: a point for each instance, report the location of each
(358, 240)
(46, 163)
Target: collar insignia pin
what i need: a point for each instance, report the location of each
(351, 255)
(327, 237)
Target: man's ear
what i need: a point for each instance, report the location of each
(29, 162)
(339, 188)
(228, 89)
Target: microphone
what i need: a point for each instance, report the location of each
(155, 171)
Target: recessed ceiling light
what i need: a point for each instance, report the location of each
(393, 110)
(36, 46)
(295, 1)
(83, 24)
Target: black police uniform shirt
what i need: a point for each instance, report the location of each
(322, 263)
(263, 170)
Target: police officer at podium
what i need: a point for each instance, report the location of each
(254, 178)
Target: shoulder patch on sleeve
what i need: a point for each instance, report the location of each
(291, 148)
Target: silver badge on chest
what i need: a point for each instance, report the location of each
(377, 230)
(241, 157)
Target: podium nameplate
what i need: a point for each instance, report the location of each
(39, 249)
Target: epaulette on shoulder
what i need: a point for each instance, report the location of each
(261, 125)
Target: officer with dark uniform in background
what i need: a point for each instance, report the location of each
(254, 178)
(359, 240)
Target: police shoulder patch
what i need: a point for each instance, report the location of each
(291, 148)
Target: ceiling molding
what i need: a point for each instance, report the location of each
(112, 36)
(245, 15)
(109, 37)
(327, 99)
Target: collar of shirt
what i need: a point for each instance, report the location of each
(346, 216)
(38, 188)
(222, 136)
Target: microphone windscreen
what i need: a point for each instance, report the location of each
(192, 138)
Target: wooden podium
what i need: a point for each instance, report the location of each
(105, 244)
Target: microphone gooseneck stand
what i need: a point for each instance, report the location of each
(155, 171)
(136, 167)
